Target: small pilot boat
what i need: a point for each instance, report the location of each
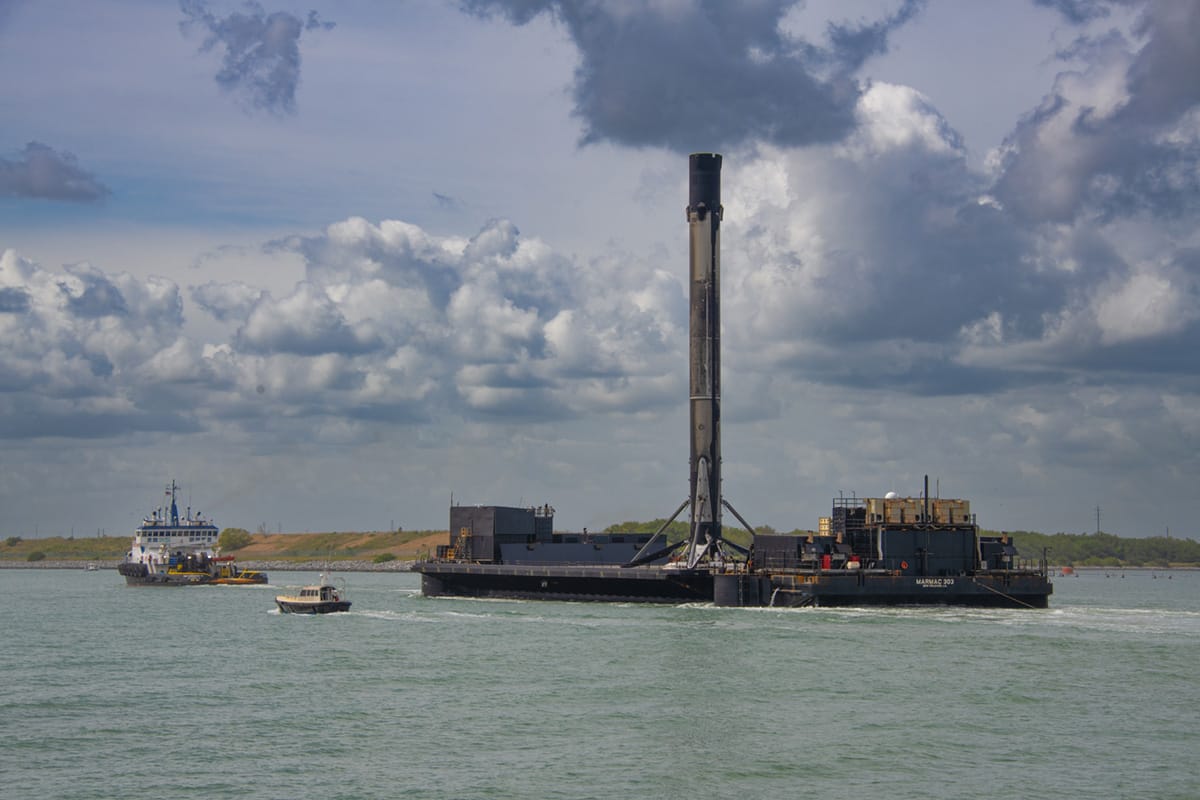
(321, 598)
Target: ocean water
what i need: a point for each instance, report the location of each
(207, 692)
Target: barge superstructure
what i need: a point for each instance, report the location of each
(169, 549)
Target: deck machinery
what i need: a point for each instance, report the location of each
(882, 551)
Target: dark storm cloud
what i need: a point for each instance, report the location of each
(42, 172)
(852, 44)
(1082, 153)
(261, 61)
(1163, 78)
(708, 75)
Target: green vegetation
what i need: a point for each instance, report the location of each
(234, 539)
(675, 531)
(1107, 550)
(383, 558)
(62, 548)
(36, 555)
(678, 531)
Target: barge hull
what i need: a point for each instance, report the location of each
(566, 582)
(982, 590)
(781, 590)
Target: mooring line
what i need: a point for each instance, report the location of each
(1002, 594)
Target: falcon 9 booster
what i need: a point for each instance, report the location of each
(704, 221)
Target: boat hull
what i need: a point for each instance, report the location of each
(304, 607)
(245, 579)
(137, 574)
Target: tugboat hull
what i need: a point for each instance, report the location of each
(137, 574)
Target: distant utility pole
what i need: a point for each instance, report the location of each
(1097, 519)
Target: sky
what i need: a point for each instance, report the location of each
(334, 265)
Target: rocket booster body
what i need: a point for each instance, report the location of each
(704, 222)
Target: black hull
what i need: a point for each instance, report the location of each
(860, 588)
(325, 607)
(610, 584)
(159, 580)
(138, 575)
(762, 589)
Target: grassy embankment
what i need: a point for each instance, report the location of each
(403, 545)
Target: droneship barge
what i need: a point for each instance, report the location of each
(876, 551)
(868, 552)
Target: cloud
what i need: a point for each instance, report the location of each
(446, 202)
(1078, 11)
(307, 322)
(75, 349)
(261, 62)
(705, 75)
(41, 172)
(227, 301)
(391, 324)
(885, 262)
(13, 300)
(500, 323)
(1117, 137)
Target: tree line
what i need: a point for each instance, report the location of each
(1106, 550)
(1063, 549)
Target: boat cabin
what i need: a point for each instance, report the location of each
(319, 593)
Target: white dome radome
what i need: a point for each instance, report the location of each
(890, 496)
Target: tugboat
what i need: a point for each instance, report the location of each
(170, 550)
(322, 598)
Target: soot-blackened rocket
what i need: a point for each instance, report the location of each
(704, 221)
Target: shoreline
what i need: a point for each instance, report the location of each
(348, 565)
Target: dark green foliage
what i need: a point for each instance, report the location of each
(36, 555)
(1106, 550)
(13, 541)
(234, 539)
(383, 558)
(675, 531)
